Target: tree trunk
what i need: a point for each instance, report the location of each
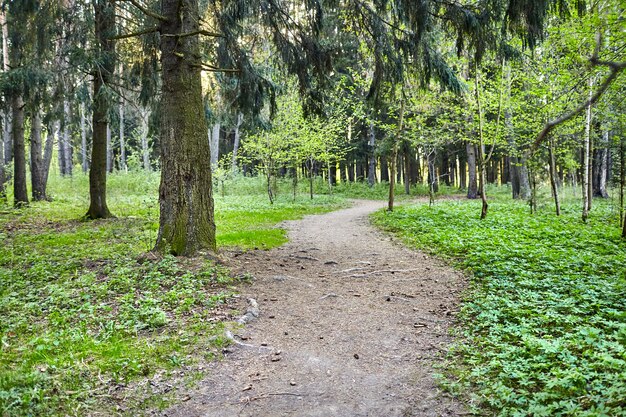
(187, 223)
(236, 144)
(67, 140)
(586, 159)
(215, 144)
(472, 189)
(433, 179)
(384, 168)
(407, 168)
(351, 168)
(445, 167)
(61, 153)
(83, 138)
(109, 149)
(20, 194)
(602, 167)
(7, 125)
(371, 142)
(105, 29)
(36, 158)
(524, 181)
(462, 174)
(553, 179)
(47, 154)
(122, 139)
(394, 159)
(145, 149)
(3, 180)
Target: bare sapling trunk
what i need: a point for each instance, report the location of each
(186, 223)
(20, 194)
(270, 193)
(122, 138)
(109, 149)
(233, 164)
(622, 178)
(7, 125)
(394, 158)
(407, 169)
(310, 163)
(472, 188)
(144, 115)
(83, 139)
(67, 140)
(553, 180)
(215, 144)
(587, 159)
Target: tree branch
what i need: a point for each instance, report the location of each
(133, 34)
(615, 69)
(146, 11)
(211, 68)
(197, 32)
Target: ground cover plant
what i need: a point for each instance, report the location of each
(86, 311)
(542, 329)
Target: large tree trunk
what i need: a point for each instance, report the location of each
(472, 189)
(371, 142)
(105, 29)
(36, 158)
(186, 224)
(20, 194)
(236, 144)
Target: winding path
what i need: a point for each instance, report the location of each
(350, 324)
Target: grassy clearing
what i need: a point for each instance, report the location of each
(86, 317)
(543, 328)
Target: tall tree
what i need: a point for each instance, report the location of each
(104, 12)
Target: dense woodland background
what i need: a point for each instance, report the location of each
(188, 125)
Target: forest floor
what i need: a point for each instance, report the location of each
(350, 324)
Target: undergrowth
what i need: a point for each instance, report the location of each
(542, 329)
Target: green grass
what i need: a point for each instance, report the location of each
(542, 329)
(84, 311)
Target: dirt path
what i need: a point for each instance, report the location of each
(350, 324)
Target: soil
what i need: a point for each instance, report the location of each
(350, 324)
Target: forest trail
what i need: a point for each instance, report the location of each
(350, 324)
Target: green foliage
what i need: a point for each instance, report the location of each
(543, 328)
(84, 310)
